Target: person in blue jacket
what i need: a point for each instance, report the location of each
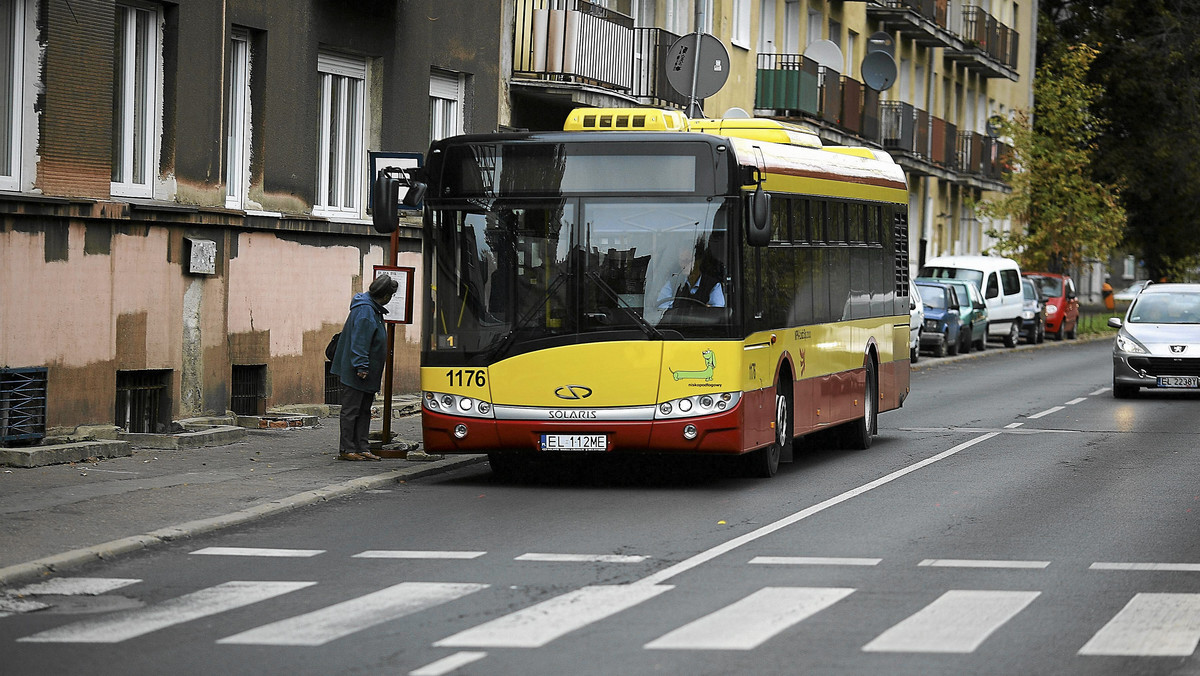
(358, 363)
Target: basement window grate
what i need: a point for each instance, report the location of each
(142, 403)
(249, 395)
(22, 405)
(333, 386)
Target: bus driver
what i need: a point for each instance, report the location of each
(693, 284)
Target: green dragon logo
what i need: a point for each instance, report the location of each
(710, 363)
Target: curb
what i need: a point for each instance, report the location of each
(930, 362)
(58, 563)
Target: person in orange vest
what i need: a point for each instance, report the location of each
(1106, 290)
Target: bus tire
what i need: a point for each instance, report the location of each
(764, 462)
(860, 432)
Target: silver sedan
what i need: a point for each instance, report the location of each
(1158, 344)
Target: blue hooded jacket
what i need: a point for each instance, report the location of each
(362, 345)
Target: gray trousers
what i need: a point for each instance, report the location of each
(355, 420)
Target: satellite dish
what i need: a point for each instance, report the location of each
(881, 42)
(712, 68)
(879, 70)
(825, 53)
(736, 113)
(993, 126)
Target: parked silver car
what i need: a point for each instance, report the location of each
(1158, 344)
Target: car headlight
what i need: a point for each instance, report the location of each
(931, 325)
(1126, 343)
(1051, 309)
(1028, 314)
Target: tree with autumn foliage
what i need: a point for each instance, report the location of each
(1061, 215)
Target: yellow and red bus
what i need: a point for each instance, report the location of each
(644, 283)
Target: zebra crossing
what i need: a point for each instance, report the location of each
(959, 621)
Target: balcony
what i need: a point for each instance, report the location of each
(988, 47)
(923, 21)
(573, 51)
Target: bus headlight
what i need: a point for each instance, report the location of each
(698, 405)
(455, 404)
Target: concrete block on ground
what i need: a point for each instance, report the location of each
(219, 435)
(57, 454)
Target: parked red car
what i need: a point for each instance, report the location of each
(1062, 303)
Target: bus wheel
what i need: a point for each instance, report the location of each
(859, 433)
(764, 462)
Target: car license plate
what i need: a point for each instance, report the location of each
(574, 442)
(1179, 381)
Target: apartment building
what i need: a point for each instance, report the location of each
(183, 193)
(957, 63)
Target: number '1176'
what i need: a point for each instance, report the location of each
(467, 377)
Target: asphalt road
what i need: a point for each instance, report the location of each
(1012, 518)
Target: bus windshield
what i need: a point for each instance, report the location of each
(515, 275)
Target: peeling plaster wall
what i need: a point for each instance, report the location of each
(88, 300)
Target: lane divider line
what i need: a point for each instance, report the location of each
(730, 545)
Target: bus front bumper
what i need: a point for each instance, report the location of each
(719, 433)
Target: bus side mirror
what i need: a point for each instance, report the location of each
(385, 197)
(415, 195)
(758, 230)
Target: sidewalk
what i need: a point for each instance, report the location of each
(56, 517)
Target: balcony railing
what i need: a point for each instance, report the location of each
(650, 85)
(983, 32)
(575, 42)
(788, 84)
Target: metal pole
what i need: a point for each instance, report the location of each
(393, 257)
(692, 105)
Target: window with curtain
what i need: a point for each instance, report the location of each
(342, 101)
(136, 66)
(237, 142)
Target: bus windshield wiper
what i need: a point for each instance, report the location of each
(644, 325)
(502, 347)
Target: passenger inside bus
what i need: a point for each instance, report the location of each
(696, 281)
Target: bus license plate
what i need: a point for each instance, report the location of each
(574, 442)
(1179, 381)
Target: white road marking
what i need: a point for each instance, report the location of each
(1159, 625)
(342, 619)
(127, 624)
(537, 625)
(581, 558)
(449, 664)
(1100, 391)
(813, 561)
(981, 563)
(1076, 400)
(957, 622)
(1167, 567)
(752, 621)
(1053, 409)
(415, 554)
(730, 545)
(76, 586)
(1013, 426)
(259, 551)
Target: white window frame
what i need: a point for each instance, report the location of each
(766, 27)
(143, 124)
(237, 139)
(342, 97)
(445, 105)
(741, 24)
(13, 44)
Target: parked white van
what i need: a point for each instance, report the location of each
(998, 279)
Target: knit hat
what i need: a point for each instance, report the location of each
(382, 287)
